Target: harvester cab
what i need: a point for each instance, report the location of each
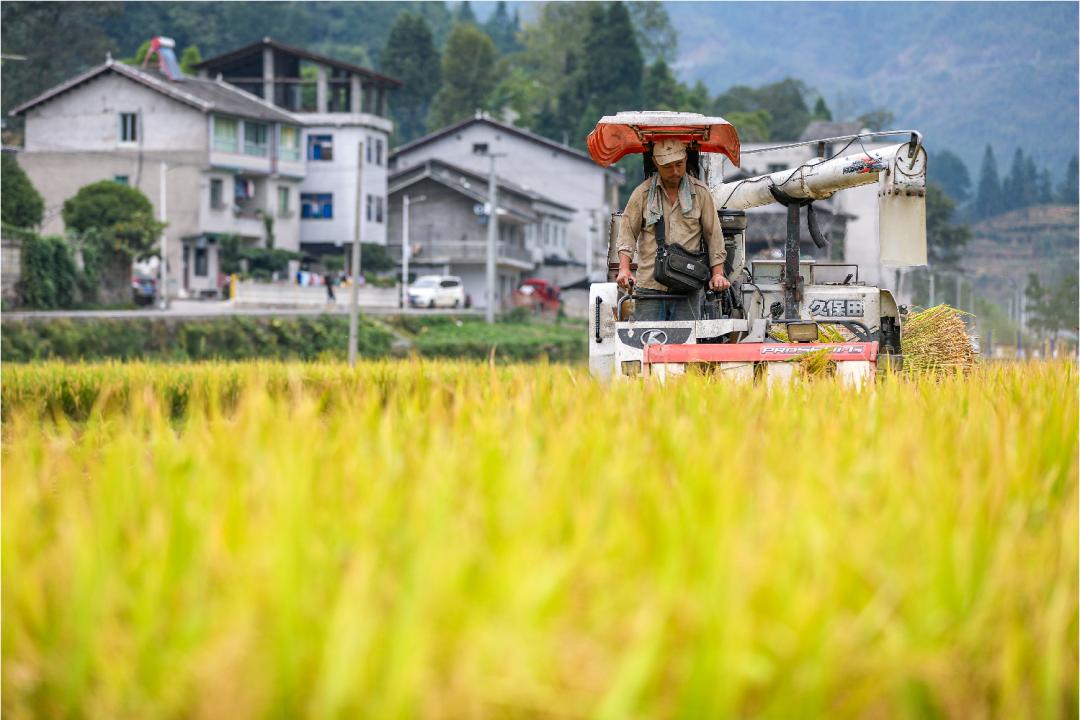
(778, 308)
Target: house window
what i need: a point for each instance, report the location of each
(317, 206)
(378, 151)
(243, 188)
(121, 179)
(217, 189)
(368, 151)
(378, 210)
(129, 127)
(255, 139)
(283, 202)
(224, 134)
(320, 147)
(201, 269)
(370, 207)
(289, 146)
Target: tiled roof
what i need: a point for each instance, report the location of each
(480, 178)
(200, 93)
(503, 127)
(256, 47)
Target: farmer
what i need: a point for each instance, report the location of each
(690, 220)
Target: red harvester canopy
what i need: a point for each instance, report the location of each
(617, 136)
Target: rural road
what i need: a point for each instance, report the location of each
(181, 309)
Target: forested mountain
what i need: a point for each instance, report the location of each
(968, 74)
(965, 73)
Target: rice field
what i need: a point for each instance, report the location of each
(454, 540)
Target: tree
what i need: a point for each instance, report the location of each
(988, 197)
(465, 14)
(783, 101)
(944, 241)
(752, 126)
(410, 56)
(503, 29)
(660, 89)
(543, 84)
(49, 277)
(655, 34)
(951, 174)
(1018, 189)
(876, 120)
(20, 203)
(468, 69)
(821, 110)
(189, 59)
(115, 224)
(58, 40)
(612, 66)
(1052, 309)
(1069, 192)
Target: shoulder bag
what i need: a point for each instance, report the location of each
(678, 268)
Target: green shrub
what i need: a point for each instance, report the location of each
(231, 338)
(49, 276)
(20, 203)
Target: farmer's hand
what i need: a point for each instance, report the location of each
(625, 278)
(718, 281)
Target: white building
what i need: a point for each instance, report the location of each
(212, 159)
(344, 110)
(448, 227)
(563, 174)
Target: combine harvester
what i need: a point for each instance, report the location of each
(788, 298)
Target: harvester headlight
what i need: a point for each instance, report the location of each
(802, 331)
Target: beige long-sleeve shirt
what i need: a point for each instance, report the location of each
(686, 230)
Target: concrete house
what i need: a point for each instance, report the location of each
(564, 175)
(213, 159)
(345, 113)
(448, 227)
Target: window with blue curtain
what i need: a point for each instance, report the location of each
(317, 206)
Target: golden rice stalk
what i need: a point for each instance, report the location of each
(935, 340)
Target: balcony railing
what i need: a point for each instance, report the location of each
(468, 251)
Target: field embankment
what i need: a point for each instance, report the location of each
(454, 540)
(321, 337)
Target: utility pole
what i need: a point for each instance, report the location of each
(931, 303)
(406, 251)
(492, 235)
(354, 288)
(163, 283)
(492, 229)
(589, 246)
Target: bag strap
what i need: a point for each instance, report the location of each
(661, 231)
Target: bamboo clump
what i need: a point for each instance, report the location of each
(935, 340)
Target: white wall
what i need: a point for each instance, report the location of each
(87, 118)
(338, 177)
(568, 180)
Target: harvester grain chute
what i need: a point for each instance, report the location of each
(790, 298)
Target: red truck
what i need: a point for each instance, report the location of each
(538, 295)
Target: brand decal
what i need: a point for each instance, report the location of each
(867, 164)
(639, 337)
(839, 307)
(654, 337)
(833, 349)
(689, 266)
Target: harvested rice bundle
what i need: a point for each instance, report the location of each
(936, 340)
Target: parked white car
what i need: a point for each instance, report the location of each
(432, 291)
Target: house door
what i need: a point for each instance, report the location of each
(187, 267)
